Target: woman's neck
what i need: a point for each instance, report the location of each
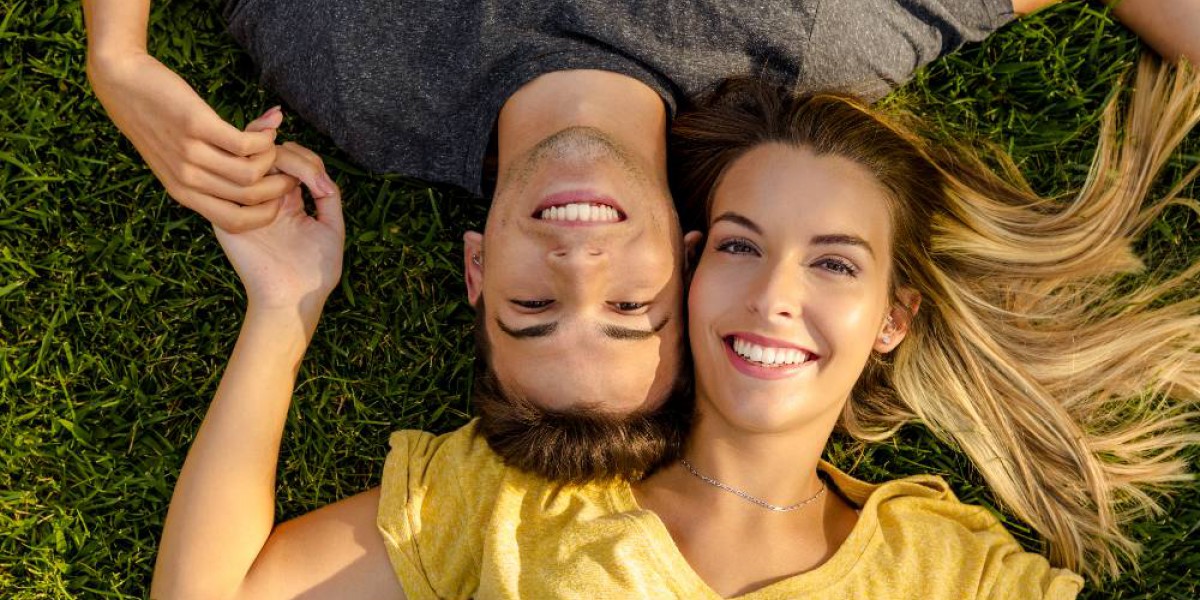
(778, 467)
(734, 545)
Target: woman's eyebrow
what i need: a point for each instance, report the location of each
(831, 239)
(842, 239)
(738, 219)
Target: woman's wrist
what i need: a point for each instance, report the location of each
(112, 64)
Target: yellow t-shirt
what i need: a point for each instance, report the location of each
(457, 523)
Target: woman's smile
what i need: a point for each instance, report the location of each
(763, 357)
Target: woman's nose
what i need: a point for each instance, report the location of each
(778, 292)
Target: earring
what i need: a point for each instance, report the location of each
(475, 259)
(886, 338)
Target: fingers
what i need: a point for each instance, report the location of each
(239, 143)
(271, 119)
(304, 164)
(231, 217)
(264, 189)
(329, 210)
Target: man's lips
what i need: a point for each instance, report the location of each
(579, 207)
(762, 357)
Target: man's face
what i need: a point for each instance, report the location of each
(581, 276)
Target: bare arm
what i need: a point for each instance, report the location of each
(219, 539)
(1171, 27)
(205, 163)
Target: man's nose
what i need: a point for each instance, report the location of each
(579, 257)
(581, 269)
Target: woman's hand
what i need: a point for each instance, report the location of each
(205, 163)
(294, 261)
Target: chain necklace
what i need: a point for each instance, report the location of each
(747, 497)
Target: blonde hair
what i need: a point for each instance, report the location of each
(1070, 385)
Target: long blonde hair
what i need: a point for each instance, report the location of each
(1070, 385)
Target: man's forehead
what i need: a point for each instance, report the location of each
(621, 377)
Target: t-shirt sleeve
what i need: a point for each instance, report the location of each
(966, 549)
(1012, 573)
(869, 47)
(432, 510)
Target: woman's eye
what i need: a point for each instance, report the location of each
(533, 304)
(737, 246)
(838, 266)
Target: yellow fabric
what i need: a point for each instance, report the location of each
(457, 523)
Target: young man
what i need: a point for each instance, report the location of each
(580, 317)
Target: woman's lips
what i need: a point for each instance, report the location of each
(766, 358)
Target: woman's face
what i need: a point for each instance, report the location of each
(791, 293)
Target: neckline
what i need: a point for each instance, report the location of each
(677, 568)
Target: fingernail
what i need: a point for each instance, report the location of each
(270, 111)
(326, 184)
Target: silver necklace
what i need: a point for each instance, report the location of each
(747, 497)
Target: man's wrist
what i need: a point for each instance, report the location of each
(297, 320)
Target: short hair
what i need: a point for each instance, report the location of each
(582, 444)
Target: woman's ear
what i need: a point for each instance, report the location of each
(473, 265)
(898, 320)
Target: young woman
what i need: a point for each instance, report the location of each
(851, 274)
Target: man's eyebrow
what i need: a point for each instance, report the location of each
(618, 332)
(842, 239)
(533, 331)
(739, 219)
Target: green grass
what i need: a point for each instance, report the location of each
(117, 309)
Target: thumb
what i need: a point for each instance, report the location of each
(271, 119)
(329, 210)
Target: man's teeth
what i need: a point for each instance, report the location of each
(580, 212)
(771, 357)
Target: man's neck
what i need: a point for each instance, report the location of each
(625, 109)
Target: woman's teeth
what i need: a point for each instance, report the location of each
(768, 357)
(581, 212)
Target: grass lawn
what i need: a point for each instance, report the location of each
(117, 309)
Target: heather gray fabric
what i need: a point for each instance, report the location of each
(414, 86)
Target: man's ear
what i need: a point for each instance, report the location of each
(473, 265)
(692, 242)
(898, 319)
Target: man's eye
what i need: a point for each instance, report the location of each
(737, 246)
(533, 304)
(629, 307)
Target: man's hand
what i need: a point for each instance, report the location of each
(294, 261)
(205, 163)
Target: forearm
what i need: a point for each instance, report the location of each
(223, 507)
(115, 27)
(1171, 27)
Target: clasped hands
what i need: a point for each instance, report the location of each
(241, 181)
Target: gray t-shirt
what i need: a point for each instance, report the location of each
(414, 86)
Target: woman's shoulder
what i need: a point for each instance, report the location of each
(915, 527)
